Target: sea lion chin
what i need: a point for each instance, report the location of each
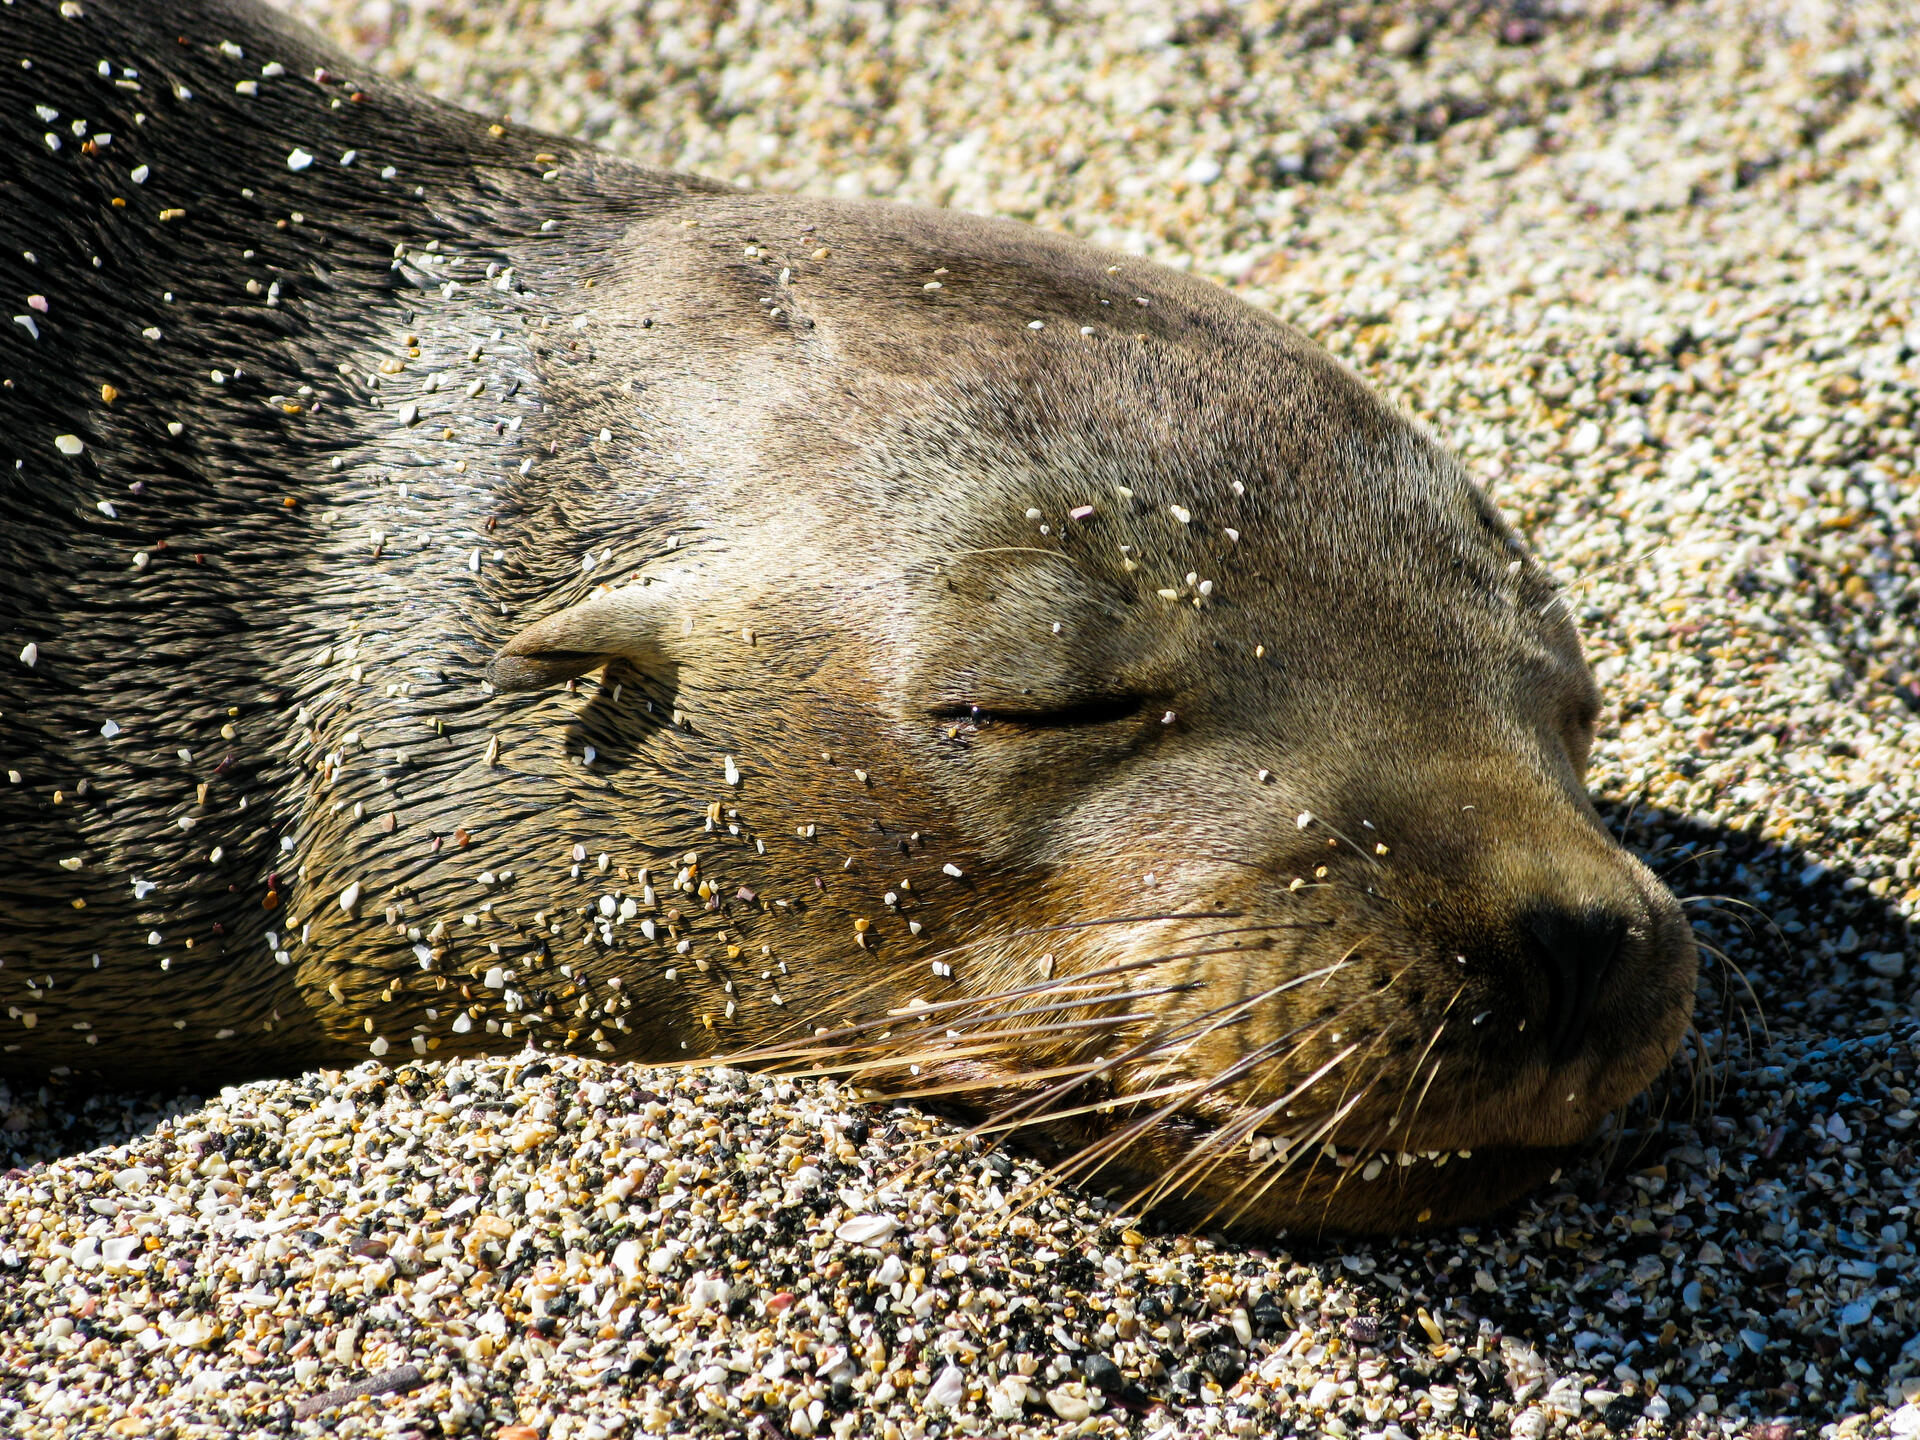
(531, 599)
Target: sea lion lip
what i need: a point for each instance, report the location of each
(1348, 1150)
(1265, 1144)
(1355, 1191)
(1470, 1137)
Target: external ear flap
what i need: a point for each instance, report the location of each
(585, 637)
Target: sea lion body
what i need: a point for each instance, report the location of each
(1014, 659)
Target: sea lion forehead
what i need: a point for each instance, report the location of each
(882, 291)
(951, 370)
(1002, 483)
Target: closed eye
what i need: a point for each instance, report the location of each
(1105, 710)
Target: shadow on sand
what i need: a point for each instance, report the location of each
(1725, 1197)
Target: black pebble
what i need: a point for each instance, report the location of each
(1102, 1374)
(1164, 1302)
(1267, 1316)
(1226, 1364)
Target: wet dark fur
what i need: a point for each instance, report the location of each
(826, 462)
(221, 625)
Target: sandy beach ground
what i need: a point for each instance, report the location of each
(1654, 272)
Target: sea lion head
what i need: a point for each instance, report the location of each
(1121, 720)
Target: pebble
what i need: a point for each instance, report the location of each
(866, 1229)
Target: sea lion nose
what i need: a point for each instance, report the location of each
(1574, 949)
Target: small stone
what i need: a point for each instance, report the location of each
(1102, 1374)
(1226, 1364)
(1070, 1403)
(948, 1389)
(866, 1229)
(627, 1258)
(1403, 39)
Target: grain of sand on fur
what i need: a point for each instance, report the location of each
(1649, 270)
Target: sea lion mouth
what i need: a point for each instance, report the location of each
(1179, 1168)
(1116, 1098)
(1424, 1188)
(1280, 1149)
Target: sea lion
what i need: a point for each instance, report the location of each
(1025, 675)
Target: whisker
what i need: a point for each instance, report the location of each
(1034, 932)
(903, 1019)
(1311, 1147)
(1204, 1024)
(1246, 1119)
(1414, 1070)
(1186, 1172)
(883, 1064)
(1592, 575)
(1010, 1120)
(1759, 1008)
(893, 1019)
(1095, 1106)
(1690, 859)
(1275, 1171)
(765, 1054)
(1432, 1075)
(1082, 1163)
(987, 1082)
(1108, 1149)
(1350, 1170)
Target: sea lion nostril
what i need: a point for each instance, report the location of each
(1574, 949)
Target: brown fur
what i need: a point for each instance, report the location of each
(826, 427)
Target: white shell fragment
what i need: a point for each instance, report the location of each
(866, 1229)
